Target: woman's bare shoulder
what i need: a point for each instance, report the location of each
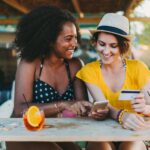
(27, 64)
(75, 65)
(26, 67)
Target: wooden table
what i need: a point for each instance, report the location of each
(67, 129)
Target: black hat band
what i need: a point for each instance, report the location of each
(112, 29)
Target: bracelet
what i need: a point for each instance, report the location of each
(118, 114)
(121, 115)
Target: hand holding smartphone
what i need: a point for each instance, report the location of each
(99, 105)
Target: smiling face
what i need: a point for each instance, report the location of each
(108, 48)
(66, 41)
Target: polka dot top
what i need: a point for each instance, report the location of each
(45, 93)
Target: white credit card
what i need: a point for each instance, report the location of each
(128, 94)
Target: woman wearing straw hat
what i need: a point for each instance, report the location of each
(107, 77)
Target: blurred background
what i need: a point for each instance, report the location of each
(88, 14)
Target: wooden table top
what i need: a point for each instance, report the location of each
(70, 129)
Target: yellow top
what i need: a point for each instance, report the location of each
(137, 75)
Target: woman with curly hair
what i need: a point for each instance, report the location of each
(46, 39)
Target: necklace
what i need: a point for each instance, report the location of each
(123, 63)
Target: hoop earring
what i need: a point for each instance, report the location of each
(101, 63)
(123, 62)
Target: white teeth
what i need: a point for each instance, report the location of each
(106, 56)
(71, 50)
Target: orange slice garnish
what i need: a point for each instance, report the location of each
(34, 116)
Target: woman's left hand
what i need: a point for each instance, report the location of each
(81, 108)
(138, 104)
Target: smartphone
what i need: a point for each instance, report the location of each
(100, 105)
(128, 94)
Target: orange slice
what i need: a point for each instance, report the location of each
(34, 116)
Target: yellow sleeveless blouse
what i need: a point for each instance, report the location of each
(137, 75)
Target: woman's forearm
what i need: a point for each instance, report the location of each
(113, 112)
(50, 110)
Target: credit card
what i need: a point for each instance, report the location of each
(128, 94)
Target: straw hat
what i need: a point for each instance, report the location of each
(115, 24)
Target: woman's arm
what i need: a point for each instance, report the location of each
(131, 121)
(97, 95)
(141, 104)
(81, 105)
(80, 90)
(96, 92)
(23, 86)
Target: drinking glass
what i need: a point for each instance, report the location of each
(29, 126)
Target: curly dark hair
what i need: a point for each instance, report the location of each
(39, 29)
(124, 44)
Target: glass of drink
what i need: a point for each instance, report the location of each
(34, 118)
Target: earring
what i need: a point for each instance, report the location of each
(101, 63)
(123, 62)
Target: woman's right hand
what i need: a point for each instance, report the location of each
(132, 121)
(81, 108)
